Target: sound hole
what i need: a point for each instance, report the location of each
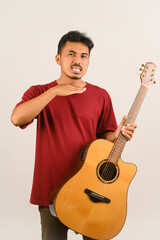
(107, 171)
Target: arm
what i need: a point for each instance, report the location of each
(28, 110)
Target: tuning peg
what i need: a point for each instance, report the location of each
(141, 69)
(143, 65)
(152, 80)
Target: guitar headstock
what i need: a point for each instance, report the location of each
(148, 74)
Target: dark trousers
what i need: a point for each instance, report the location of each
(52, 228)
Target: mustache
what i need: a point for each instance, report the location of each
(77, 65)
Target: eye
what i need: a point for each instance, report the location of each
(84, 56)
(71, 54)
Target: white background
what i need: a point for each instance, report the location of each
(126, 34)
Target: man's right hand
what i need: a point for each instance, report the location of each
(67, 89)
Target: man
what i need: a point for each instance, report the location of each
(70, 113)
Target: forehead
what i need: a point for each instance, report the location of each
(77, 47)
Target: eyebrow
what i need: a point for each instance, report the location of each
(82, 53)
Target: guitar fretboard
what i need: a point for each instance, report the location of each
(121, 140)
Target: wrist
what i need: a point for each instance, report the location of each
(54, 91)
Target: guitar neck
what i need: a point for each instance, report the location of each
(136, 105)
(121, 140)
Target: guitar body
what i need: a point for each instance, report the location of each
(92, 203)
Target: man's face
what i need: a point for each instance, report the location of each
(74, 60)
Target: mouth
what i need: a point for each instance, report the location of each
(76, 69)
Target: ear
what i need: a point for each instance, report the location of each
(58, 59)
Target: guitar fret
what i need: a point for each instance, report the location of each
(136, 104)
(121, 141)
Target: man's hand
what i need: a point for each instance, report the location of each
(127, 130)
(67, 89)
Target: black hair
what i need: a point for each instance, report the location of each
(75, 36)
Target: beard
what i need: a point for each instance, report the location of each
(72, 77)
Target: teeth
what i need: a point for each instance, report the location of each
(76, 69)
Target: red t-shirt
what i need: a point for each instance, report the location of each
(64, 126)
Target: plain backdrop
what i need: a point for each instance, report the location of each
(126, 34)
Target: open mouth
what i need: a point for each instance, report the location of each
(76, 69)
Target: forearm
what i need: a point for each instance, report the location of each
(110, 136)
(27, 111)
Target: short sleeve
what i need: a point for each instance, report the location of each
(32, 92)
(107, 120)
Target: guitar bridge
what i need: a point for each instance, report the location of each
(95, 197)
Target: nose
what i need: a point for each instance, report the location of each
(77, 60)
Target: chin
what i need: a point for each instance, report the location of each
(75, 77)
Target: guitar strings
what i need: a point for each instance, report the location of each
(116, 152)
(109, 173)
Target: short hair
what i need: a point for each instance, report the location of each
(75, 36)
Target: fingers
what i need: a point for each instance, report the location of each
(122, 122)
(128, 130)
(118, 130)
(66, 89)
(79, 90)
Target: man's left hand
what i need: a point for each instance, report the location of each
(127, 130)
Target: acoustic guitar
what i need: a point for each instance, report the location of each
(93, 201)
